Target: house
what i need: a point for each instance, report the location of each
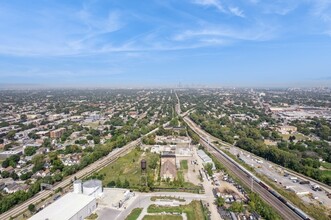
(12, 188)
(168, 166)
(9, 169)
(47, 172)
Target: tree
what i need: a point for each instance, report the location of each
(5, 163)
(47, 143)
(32, 207)
(30, 150)
(38, 162)
(209, 169)
(237, 207)
(111, 184)
(5, 174)
(118, 183)
(96, 140)
(57, 177)
(11, 135)
(33, 135)
(126, 184)
(219, 201)
(26, 176)
(291, 138)
(14, 176)
(57, 165)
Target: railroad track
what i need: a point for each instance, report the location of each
(97, 165)
(282, 209)
(324, 186)
(285, 209)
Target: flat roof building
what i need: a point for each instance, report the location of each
(57, 133)
(71, 206)
(205, 158)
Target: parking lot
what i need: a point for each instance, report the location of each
(308, 191)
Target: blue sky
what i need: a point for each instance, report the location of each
(162, 43)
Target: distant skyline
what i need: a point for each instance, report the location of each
(264, 43)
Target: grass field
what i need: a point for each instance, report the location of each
(298, 136)
(326, 165)
(326, 173)
(162, 217)
(93, 125)
(154, 198)
(194, 210)
(128, 168)
(183, 164)
(134, 214)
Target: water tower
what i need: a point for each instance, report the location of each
(143, 165)
(143, 178)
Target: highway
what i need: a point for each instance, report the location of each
(211, 139)
(111, 157)
(280, 207)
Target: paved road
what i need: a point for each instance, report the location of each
(211, 139)
(143, 200)
(280, 207)
(210, 197)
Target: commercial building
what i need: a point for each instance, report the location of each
(72, 206)
(57, 133)
(90, 187)
(205, 158)
(168, 166)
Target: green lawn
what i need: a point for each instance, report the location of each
(326, 165)
(298, 136)
(194, 210)
(154, 198)
(134, 214)
(179, 182)
(326, 173)
(162, 217)
(183, 164)
(128, 168)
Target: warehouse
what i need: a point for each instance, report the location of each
(205, 158)
(72, 206)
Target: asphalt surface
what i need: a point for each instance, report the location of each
(280, 207)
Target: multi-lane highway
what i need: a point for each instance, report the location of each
(111, 157)
(279, 206)
(211, 139)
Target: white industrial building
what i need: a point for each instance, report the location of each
(205, 158)
(90, 187)
(72, 206)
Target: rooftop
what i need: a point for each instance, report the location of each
(64, 208)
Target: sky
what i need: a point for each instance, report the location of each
(165, 43)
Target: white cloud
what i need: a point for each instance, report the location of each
(214, 3)
(220, 6)
(322, 9)
(236, 11)
(259, 33)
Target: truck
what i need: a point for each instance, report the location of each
(304, 182)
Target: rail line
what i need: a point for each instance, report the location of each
(285, 208)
